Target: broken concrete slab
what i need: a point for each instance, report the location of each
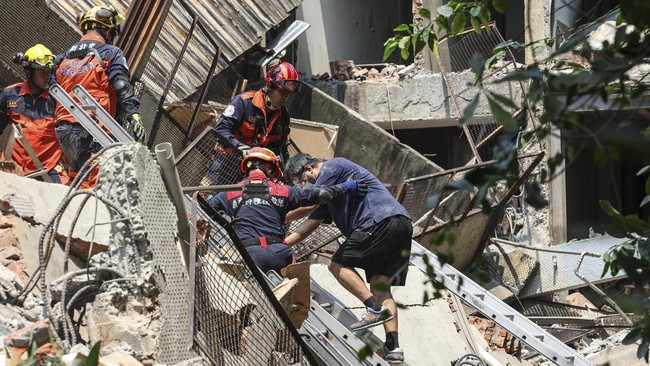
(36, 203)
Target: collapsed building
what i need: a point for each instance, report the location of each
(133, 290)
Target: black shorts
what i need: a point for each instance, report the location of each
(383, 249)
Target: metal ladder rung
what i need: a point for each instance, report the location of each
(501, 313)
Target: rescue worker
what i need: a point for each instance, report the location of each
(259, 209)
(378, 234)
(29, 105)
(255, 118)
(101, 69)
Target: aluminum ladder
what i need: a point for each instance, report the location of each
(496, 310)
(78, 111)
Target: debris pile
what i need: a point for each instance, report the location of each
(109, 293)
(347, 70)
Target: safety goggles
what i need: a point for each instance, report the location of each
(290, 85)
(44, 61)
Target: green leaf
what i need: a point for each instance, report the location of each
(364, 352)
(643, 171)
(404, 42)
(93, 356)
(390, 46)
(642, 351)
(425, 13)
(501, 116)
(469, 110)
(475, 11)
(647, 185)
(404, 46)
(500, 5)
(485, 15)
(506, 101)
(458, 24)
(462, 185)
(608, 209)
(445, 11)
(477, 64)
(645, 201)
(405, 53)
(476, 25)
(401, 28)
(434, 48)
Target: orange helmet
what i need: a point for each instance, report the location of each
(283, 76)
(264, 155)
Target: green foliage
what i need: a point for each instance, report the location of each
(558, 83)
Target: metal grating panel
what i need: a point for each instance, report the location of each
(238, 319)
(212, 157)
(556, 270)
(462, 47)
(160, 219)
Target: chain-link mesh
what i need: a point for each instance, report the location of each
(480, 129)
(238, 319)
(210, 160)
(324, 238)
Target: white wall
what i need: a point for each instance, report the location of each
(344, 30)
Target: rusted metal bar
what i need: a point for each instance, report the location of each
(522, 177)
(161, 102)
(204, 91)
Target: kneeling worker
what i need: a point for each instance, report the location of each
(261, 206)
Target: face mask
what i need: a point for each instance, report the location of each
(269, 104)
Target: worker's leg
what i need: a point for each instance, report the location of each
(377, 284)
(349, 278)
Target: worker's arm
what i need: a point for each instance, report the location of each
(302, 231)
(117, 70)
(298, 213)
(324, 195)
(231, 120)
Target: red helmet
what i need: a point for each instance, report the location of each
(261, 153)
(283, 76)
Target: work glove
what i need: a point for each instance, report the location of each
(359, 187)
(10, 285)
(324, 195)
(133, 125)
(244, 149)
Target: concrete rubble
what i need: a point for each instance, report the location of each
(121, 301)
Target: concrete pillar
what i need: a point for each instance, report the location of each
(557, 194)
(537, 26)
(426, 59)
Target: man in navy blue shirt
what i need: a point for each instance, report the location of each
(261, 206)
(378, 234)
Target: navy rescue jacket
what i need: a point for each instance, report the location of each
(261, 210)
(247, 121)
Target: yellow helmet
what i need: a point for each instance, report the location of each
(37, 57)
(100, 17)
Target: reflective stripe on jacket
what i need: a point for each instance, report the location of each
(35, 116)
(95, 75)
(247, 121)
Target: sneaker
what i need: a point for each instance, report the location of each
(395, 356)
(371, 318)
